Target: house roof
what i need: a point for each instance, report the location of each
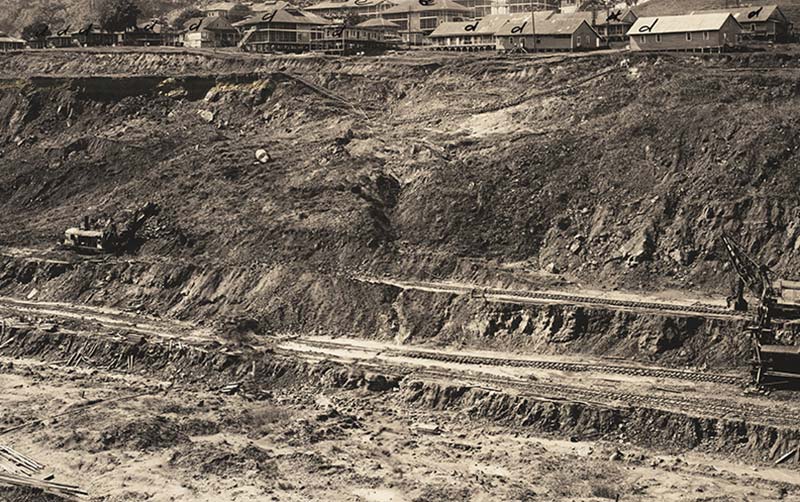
(554, 24)
(213, 23)
(9, 39)
(284, 15)
(153, 28)
(378, 22)
(345, 4)
(451, 28)
(679, 24)
(94, 30)
(489, 25)
(267, 6)
(405, 6)
(226, 6)
(752, 14)
(610, 17)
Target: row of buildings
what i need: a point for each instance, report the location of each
(366, 26)
(712, 30)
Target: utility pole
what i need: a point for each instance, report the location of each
(533, 28)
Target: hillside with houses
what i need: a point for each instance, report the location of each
(399, 251)
(363, 27)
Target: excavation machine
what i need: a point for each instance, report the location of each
(108, 237)
(777, 309)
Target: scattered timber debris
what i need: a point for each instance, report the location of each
(47, 486)
(231, 388)
(786, 456)
(15, 462)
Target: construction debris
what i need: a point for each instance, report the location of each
(15, 462)
(47, 486)
(786, 456)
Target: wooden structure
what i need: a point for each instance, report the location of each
(612, 24)
(713, 32)
(286, 29)
(60, 40)
(200, 32)
(220, 9)
(419, 18)
(346, 41)
(339, 10)
(474, 35)
(760, 22)
(389, 29)
(9, 43)
(548, 32)
(150, 34)
(93, 36)
(522, 6)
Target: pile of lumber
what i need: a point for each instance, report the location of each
(15, 462)
(17, 469)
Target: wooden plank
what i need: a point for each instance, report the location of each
(22, 458)
(786, 456)
(15, 480)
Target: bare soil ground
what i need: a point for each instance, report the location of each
(375, 314)
(306, 444)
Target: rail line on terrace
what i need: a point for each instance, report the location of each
(702, 405)
(538, 297)
(544, 364)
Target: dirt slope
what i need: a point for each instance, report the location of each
(607, 169)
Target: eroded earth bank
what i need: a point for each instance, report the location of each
(455, 278)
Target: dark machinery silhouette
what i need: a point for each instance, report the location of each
(110, 238)
(778, 303)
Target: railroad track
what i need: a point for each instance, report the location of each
(699, 406)
(695, 406)
(575, 367)
(540, 296)
(694, 376)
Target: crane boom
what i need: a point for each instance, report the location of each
(753, 275)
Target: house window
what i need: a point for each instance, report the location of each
(688, 37)
(428, 23)
(578, 41)
(753, 27)
(658, 38)
(706, 35)
(643, 39)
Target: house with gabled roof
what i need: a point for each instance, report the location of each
(548, 32)
(372, 36)
(9, 43)
(209, 32)
(611, 24)
(381, 25)
(691, 32)
(419, 18)
(152, 33)
(473, 35)
(220, 9)
(766, 22)
(284, 29)
(94, 36)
